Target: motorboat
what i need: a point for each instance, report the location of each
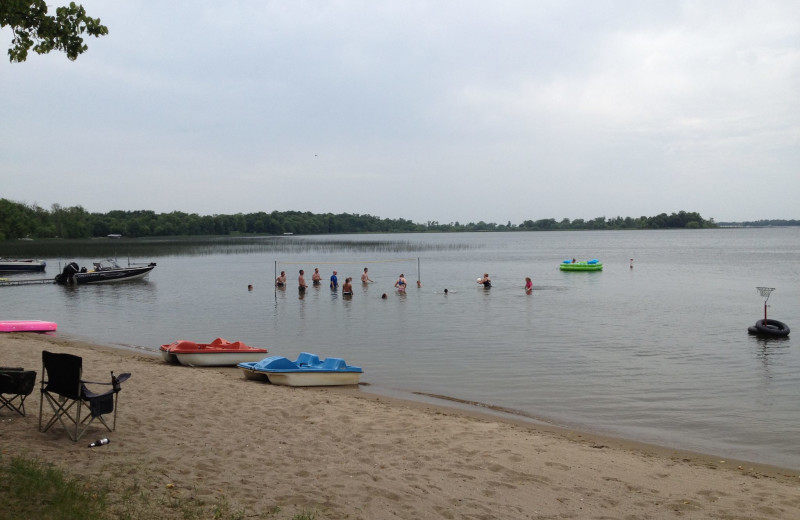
(219, 352)
(572, 265)
(306, 370)
(103, 272)
(27, 326)
(22, 265)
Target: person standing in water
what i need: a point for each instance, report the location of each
(280, 281)
(316, 279)
(485, 281)
(528, 285)
(365, 277)
(334, 281)
(301, 281)
(347, 287)
(401, 283)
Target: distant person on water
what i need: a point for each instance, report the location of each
(301, 281)
(280, 281)
(631, 263)
(316, 279)
(334, 281)
(365, 277)
(485, 281)
(419, 284)
(347, 287)
(528, 285)
(383, 296)
(401, 283)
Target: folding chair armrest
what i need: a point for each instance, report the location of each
(88, 394)
(120, 379)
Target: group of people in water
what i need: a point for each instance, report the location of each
(401, 284)
(316, 279)
(487, 283)
(347, 287)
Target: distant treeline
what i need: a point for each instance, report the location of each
(761, 223)
(22, 220)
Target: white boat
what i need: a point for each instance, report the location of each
(307, 370)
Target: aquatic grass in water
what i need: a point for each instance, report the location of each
(149, 248)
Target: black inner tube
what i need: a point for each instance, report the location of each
(772, 327)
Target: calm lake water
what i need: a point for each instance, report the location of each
(658, 353)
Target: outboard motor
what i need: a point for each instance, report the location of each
(67, 275)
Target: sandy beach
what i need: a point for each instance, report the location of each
(274, 452)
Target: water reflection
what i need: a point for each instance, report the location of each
(769, 351)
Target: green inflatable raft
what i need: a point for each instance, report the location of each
(591, 265)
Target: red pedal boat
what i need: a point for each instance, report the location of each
(219, 352)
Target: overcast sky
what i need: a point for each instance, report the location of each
(426, 110)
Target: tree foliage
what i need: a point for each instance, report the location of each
(32, 27)
(20, 220)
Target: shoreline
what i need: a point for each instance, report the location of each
(487, 411)
(350, 453)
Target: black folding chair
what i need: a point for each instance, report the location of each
(15, 385)
(65, 391)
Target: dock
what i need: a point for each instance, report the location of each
(5, 282)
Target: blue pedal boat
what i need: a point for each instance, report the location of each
(307, 370)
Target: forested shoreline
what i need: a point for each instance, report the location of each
(18, 220)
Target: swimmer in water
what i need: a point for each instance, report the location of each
(401, 283)
(365, 277)
(347, 287)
